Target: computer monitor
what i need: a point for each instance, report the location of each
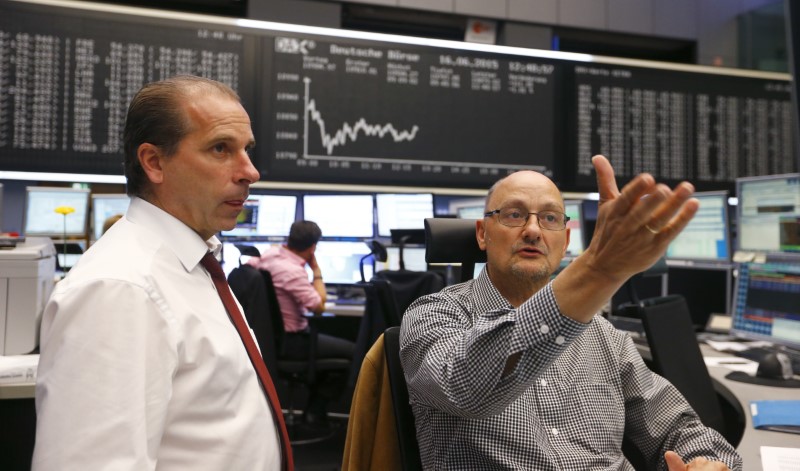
(467, 208)
(402, 211)
(706, 237)
(574, 211)
(339, 261)
(340, 215)
(413, 259)
(41, 218)
(767, 303)
(265, 216)
(768, 213)
(103, 207)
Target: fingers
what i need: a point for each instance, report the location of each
(674, 461)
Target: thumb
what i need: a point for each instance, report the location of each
(606, 182)
(674, 461)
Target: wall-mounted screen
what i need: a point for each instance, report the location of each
(707, 236)
(105, 206)
(350, 107)
(41, 218)
(400, 111)
(340, 215)
(74, 72)
(402, 211)
(679, 124)
(265, 216)
(768, 213)
(574, 212)
(767, 303)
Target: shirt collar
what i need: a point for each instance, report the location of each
(487, 297)
(293, 257)
(182, 240)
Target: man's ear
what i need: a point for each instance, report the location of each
(151, 160)
(566, 243)
(480, 234)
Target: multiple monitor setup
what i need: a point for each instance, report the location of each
(346, 221)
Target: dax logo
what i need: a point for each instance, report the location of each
(294, 45)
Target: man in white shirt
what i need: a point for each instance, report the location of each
(141, 367)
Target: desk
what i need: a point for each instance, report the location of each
(739, 395)
(346, 310)
(752, 440)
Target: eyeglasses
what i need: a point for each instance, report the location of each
(515, 217)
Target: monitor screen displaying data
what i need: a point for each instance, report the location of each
(41, 218)
(340, 215)
(402, 211)
(265, 216)
(767, 303)
(768, 213)
(413, 259)
(575, 225)
(468, 208)
(103, 207)
(706, 237)
(338, 261)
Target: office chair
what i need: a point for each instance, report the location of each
(405, 287)
(677, 357)
(256, 293)
(403, 414)
(248, 250)
(450, 240)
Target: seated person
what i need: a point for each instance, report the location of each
(296, 297)
(514, 371)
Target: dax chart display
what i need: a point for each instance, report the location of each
(348, 110)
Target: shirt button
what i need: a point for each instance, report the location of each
(560, 339)
(543, 382)
(555, 431)
(544, 329)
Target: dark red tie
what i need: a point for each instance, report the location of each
(215, 270)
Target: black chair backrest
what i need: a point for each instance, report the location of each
(249, 287)
(404, 416)
(407, 285)
(380, 312)
(677, 357)
(449, 240)
(274, 309)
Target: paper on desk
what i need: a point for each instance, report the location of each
(734, 346)
(733, 363)
(18, 368)
(775, 458)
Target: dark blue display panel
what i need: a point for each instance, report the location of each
(67, 77)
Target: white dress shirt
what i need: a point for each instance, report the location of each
(141, 367)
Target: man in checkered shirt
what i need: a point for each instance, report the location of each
(514, 371)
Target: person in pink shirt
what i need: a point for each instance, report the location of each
(296, 297)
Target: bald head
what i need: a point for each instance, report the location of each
(521, 178)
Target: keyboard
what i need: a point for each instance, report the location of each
(758, 353)
(349, 301)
